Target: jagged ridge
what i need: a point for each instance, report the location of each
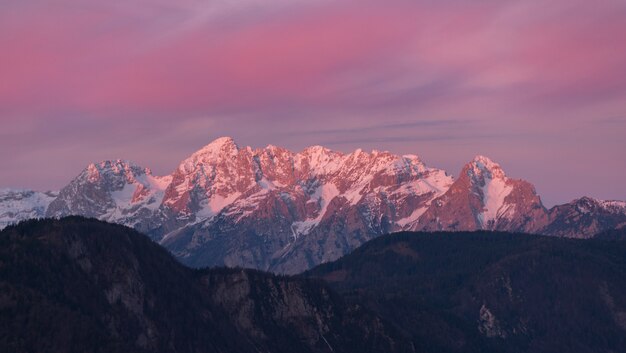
(273, 209)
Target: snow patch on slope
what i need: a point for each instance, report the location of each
(412, 218)
(614, 206)
(320, 160)
(324, 194)
(215, 204)
(494, 193)
(493, 189)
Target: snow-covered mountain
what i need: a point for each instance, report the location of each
(114, 191)
(483, 197)
(18, 205)
(274, 209)
(222, 177)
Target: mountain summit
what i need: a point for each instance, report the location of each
(483, 197)
(274, 209)
(116, 191)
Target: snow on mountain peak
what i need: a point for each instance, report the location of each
(222, 141)
(218, 146)
(94, 172)
(412, 157)
(587, 204)
(219, 149)
(482, 167)
(320, 160)
(492, 185)
(113, 190)
(359, 152)
(316, 151)
(614, 206)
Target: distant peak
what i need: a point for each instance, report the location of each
(226, 144)
(222, 141)
(113, 164)
(412, 157)
(480, 159)
(317, 149)
(274, 148)
(482, 166)
(414, 160)
(94, 171)
(587, 200)
(588, 204)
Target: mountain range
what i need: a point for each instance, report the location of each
(273, 209)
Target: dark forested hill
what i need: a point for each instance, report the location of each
(492, 292)
(80, 285)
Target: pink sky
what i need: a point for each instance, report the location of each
(539, 86)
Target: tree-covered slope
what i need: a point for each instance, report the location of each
(81, 285)
(482, 291)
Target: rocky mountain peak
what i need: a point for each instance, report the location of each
(481, 168)
(273, 153)
(413, 158)
(221, 144)
(218, 148)
(586, 217)
(113, 190)
(587, 204)
(318, 160)
(108, 169)
(316, 150)
(483, 197)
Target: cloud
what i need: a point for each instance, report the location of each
(195, 59)
(124, 74)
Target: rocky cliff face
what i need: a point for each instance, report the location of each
(81, 285)
(483, 197)
(273, 209)
(303, 312)
(115, 191)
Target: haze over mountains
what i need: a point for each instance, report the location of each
(277, 210)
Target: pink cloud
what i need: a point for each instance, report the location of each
(95, 60)
(293, 57)
(271, 67)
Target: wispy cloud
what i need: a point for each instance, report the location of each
(490, 75)
(610, 120)
(388, 126)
